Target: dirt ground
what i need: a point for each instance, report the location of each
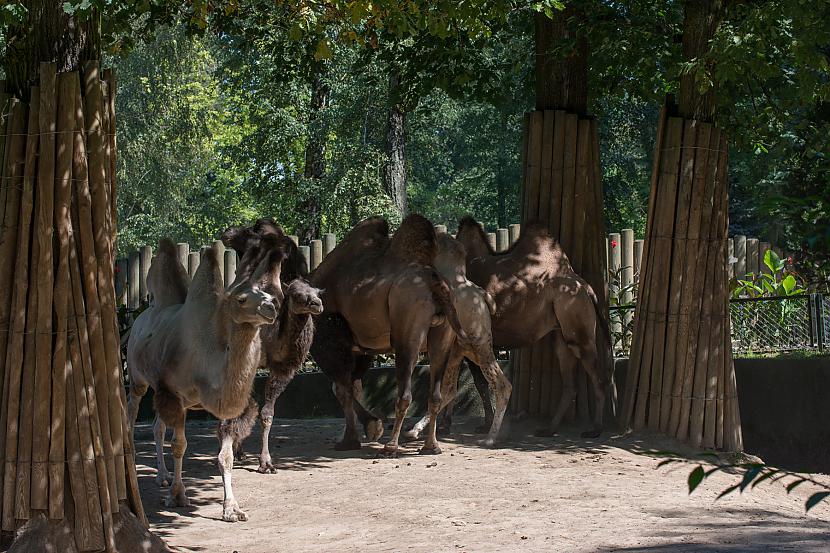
(532, 494)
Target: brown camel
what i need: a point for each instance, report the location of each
(197, 345)
(537, 291)
(285, 345)
(474, 307)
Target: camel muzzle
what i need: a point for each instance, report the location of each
(268, 311)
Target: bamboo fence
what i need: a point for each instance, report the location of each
(681, 379)
(66, 449)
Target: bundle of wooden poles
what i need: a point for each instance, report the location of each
(68, 451)
(681, 379)
(561, 189)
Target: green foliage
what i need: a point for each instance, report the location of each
(780, 281)
(751, 474)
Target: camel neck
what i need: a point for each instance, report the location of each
(240, 346)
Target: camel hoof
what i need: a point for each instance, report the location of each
(347, 445)
(163, 481)
(595, 433)
(545, 432)
(373, 429)
(232, 513)
(434, 450)
(388, 452)
(487, 442)
(178, 500)
(267, 468)
(409, 436)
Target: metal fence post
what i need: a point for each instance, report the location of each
(818, 302)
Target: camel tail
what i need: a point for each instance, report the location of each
(442, 294)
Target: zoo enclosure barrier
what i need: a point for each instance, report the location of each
(623, 254)
(759, 325)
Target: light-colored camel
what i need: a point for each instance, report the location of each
(474, 307)
(197, 345)
(285, 345)
(537, 291)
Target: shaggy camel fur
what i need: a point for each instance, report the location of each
(474, 307)
(285, 345)
(537, 291)
(197, 346)
(382, 295)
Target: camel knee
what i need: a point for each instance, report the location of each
(225, 459)
(179, 444)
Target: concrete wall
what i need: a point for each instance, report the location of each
(785, 409)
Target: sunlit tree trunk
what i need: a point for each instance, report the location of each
(315, 156)
(394, 170)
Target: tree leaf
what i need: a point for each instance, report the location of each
(765, 476)
(750, 475)
(695, 478)
(788, 284)
(727, 491)
(793, 485)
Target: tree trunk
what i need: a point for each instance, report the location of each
(68, 481)
(681, 378)
(315, 156)
(49, 34)
(562, 189)
(561, 82)
(394, 171)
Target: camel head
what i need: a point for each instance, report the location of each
(303, 298)
(471, 235)
(247, 241)
(255, 297)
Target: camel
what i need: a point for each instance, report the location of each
(197, 345)
(475, 307)
(537, 291)
(285, 345)
(382, 295)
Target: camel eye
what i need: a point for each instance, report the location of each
(242, 299)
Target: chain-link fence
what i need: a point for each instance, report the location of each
(759, 325)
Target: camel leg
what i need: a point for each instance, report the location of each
(275, 386)
(440, 346)
(567, 368)
(449, 389)
(230, 508)
(500, 385)
(345, 395)
(588, 357)
(483, 388)
(162, 474)
(172, 412)
(372, 424)
(137, 391)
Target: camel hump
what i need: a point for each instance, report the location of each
(167, 279)
(415, 241)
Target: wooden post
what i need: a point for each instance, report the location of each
(730, 257)
(627, 265)
(752, 247)
(502, 240)
(134, 274)
(441, 229)
(514, 231)
(121, 273)
(145, 259)
(638, 259)
(740, 255)
(306, 253)
(193, 263)
(220, 255)
(491, 239)
(316, 253)
(230, 266)
(294, 238)
(182, 252)
(329, 242)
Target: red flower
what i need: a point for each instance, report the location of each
(613, 243)
(790, 259)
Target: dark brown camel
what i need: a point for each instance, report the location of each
(537, 291)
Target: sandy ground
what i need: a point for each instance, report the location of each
(533, 494)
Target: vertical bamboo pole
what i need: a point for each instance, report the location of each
(534, 166)
(752, 265)
(306, 253)
(491, 240)
(109, 119)
(133, 278)
(514, 231)
(730, 255)
(502, 240)
(220, 253)
(740, 255)
(13, 173)
(546, 170)
(557, 174)
(182, 252)
(440, 229)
